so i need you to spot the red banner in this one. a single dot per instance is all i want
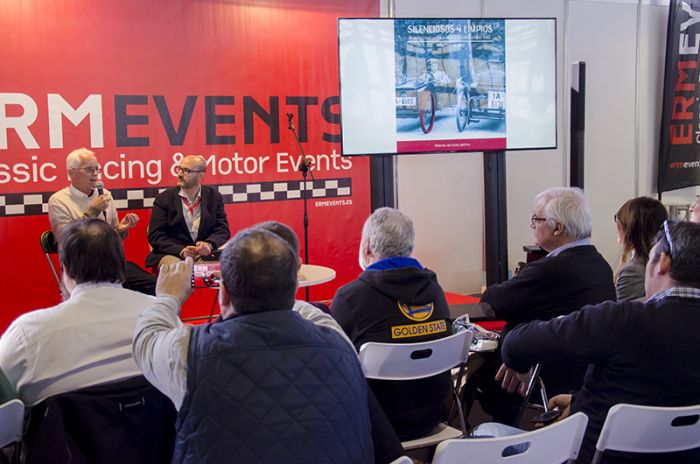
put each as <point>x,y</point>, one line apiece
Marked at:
<point>141,84</point>
<point>679,146</point>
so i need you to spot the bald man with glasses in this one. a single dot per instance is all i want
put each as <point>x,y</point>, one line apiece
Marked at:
<point>187,221</point>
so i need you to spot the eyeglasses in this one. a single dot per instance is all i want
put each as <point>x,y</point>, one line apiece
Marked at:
<point>615,218</point>
<point>668,238</point>
<point>535,219</point>
<point>89,170</point>
<point>185,171</point>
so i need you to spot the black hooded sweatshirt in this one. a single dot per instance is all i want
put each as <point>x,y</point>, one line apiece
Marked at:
<point>401,305</point>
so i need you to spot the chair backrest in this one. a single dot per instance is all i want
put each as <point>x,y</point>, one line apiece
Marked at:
<point>126,421</point>
<point>48,242</point>
<point>407,361</point>
<point>11,422</point>
<point>553,444</point>
<point>649,429</point>
<point>50,247</point>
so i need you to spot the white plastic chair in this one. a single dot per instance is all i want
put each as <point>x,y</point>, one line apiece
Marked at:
<point>11,422</point>
<point>402,460</point>
<point>649,429</point>
<point>553,444</point>
<point>410,361</point>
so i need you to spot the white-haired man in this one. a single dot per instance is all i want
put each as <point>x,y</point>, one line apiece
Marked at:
<point>396,300</point>
<point>81,199</point>
<point>572,275</point>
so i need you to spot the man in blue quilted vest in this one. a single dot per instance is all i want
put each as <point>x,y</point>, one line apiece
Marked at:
<point>263,385</point>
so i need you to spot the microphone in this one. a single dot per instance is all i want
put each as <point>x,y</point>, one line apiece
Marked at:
<point>290,116</point>
<point>305,165</point>
<point>100,186</point>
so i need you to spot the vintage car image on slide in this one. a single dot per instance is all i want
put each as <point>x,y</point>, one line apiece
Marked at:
<point>478,93</point>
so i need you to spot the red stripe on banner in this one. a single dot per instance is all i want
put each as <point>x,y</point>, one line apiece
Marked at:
<point>422,146</point>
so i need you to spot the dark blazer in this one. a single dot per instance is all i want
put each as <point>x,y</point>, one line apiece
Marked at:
<point>639,353</point>
<point>550,287</point>
<point>168,233</point>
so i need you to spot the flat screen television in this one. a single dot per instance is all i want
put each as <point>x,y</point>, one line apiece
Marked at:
<point>447,85</point>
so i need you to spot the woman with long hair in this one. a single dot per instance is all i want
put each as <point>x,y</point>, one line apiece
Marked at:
<point>638,222</point>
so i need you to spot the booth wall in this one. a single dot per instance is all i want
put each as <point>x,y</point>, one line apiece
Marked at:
<point>623,45</point>
<point>241,65</point>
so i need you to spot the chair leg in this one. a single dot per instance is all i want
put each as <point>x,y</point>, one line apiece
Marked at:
<point>460,412</point>
<point>455,392</point>
<point>213,305</point>
<point>17,453</point>
<point>61,288</point>
<point>528,392</point>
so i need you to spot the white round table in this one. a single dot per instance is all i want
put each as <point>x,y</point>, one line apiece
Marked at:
<point>311,274</point>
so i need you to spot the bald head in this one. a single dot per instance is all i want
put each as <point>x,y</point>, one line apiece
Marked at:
<point>195,161</point>
<point>259,271</point>
<point>191,172</point>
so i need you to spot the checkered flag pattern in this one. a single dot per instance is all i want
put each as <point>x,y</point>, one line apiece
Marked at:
<point>31,204</point>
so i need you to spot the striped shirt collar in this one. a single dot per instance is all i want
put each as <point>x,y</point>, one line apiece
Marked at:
<point>680,292</point>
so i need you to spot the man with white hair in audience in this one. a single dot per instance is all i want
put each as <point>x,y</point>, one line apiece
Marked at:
<point>572,275</point>
<point>695,210</point>
<point>639,353</point>
<point>397,300</point>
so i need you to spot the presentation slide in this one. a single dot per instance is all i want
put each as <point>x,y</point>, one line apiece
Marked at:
<point>446,85</point>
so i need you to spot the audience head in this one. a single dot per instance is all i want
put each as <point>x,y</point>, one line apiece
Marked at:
<point>258,273</point>
<point>83,169</point>
<point>283,231</point>
<point>638,221</point>
<point>387,233</point>
<point>675,258</point>
<point>561,216</point>
<point>190,171</point>
<point>695,210</point>
<point>91,251</point>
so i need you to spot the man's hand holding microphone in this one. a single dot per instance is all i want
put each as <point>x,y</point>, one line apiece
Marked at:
<point>100,204</point>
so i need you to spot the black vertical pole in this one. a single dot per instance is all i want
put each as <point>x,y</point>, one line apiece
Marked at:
<point>577,127</point>
<point>496,221</point>
<point>381,172</point>
<point>304,172</point>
